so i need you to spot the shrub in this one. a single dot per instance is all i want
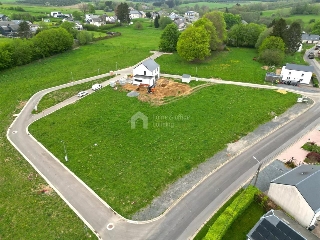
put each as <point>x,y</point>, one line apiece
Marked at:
<point>265,202</point>
<point>84,37</point>
<point>311,147</point>
<point>314,80</point>
<point>138,26</point>
<point>290,164</point>
<point>236,208</point>
<point>313,157</point>
<point>271,57</point>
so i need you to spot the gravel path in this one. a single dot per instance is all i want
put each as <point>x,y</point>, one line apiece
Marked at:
<point>182,185</point>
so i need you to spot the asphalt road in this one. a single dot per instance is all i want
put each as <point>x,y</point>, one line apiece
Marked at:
<point>184,218</point>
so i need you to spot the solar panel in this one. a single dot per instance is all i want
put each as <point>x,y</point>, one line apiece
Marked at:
<point>257,236</point>
<point>289,231</point>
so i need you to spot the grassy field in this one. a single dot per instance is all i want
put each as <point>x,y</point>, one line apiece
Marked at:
<point>235,65</point>
<point>24,213</point>
<point>305,18</point>
<point>241,227</point>
<point>214,5</point>
<point>128,168</point>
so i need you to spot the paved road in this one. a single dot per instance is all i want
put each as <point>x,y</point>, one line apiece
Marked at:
<point>183,219</point>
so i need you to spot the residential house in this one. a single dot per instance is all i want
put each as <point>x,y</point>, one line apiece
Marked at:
<point>173,16</point>
<point>298,193</point>
<point>297,73</point>
<point>272,77</point>
<point>181,23</point>
<point>310,38</point>
<point>133,14</point>
<point>46,20</point>
<point>3,17</point>
<point>94,20</point>
<point>110,19</point>
<point>34,27</point>
<point>277,225</point>
<point>191,16</point>
<point>78,25</point>
<point>8,28</point>
<point>147,72</point>
<point>56,14</point>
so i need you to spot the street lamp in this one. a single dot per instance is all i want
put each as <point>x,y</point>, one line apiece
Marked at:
<point>65,151</point>
<point>258,171</point>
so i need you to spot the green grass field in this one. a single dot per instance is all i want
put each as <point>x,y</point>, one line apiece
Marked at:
<point>235,65</point>
<point>128,168</point>
<point>213,5</point>
<point>241,227</point>
<point>25,214</point>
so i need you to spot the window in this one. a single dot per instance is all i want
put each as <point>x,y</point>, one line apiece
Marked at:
<point>288,77</point>
<point>144,73</point>
<point>302,74</point>
<point>289,72</point>
<point>138,80</point>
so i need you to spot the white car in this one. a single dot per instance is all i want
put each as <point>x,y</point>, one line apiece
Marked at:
<point>96,87</point>
<point>82,93</point>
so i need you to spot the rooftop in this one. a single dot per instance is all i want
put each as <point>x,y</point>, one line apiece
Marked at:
<point>150,64</point>
<point>299,67</point>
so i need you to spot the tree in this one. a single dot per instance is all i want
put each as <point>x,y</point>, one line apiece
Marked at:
<point>77,15</point>
<point>91,8</point>
<point>52,41</point>
<point>122,13</point>
<point>156,21</point>
<point>293,39</point>
<point>148,14</point>
<point>263,35</point>
<point>5,57</point>
<point>21,51</point>
<point>211,30</point>
<point>316,28</point>
<point>164,21</point>
<point>69,26</point>
<point>231,19</point>
<point>271,57</point>
<point>194,44</point>
<point>272,42</point>
<point>219,23</point>
<point>84,37</point>
<point>252,32</point>
<point>138,25</point>
<point>279,28</point>
<point>236,35</point>
<point>83,7</point>
<point>24,30</point>
<point>169,38</point>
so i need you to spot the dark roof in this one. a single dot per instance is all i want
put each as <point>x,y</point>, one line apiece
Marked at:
<point>186,76</point>
<point>308,37</point>
<point>297,67</point>
<point>150,64</point>
<point>276,225</point>
<point>306,179</point>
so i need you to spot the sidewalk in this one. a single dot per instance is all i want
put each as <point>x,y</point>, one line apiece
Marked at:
<point>296,151</point>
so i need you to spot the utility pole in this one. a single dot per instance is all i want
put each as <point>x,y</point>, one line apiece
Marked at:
<point>257,174</point>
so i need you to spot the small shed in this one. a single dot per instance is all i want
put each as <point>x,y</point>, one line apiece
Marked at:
<point>272,77</point>
<point>186,78</point>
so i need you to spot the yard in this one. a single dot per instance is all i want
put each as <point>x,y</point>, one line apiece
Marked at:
<point>129,167</point>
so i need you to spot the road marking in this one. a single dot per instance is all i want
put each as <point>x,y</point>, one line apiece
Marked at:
<point>110,226</point>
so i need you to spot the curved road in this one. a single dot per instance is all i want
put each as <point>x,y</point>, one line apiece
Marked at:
<point>183,219</point>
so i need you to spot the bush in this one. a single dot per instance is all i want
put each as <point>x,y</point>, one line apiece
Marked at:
<point>265,202</point>
<point>271,57</point>
<point>236,208</point>
<point>315,81</point>
<point>311,147</point>
<point>138,26</point>
<point>290,164</point>
<point>313,157</point>
<point>84,37</point>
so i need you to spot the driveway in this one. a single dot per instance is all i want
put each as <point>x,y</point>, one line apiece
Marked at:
<point>186,216</point>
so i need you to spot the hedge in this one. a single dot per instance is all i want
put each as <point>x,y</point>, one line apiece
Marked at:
<point>236,208</point>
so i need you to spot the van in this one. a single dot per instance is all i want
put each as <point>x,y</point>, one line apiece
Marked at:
<point>96,87</point>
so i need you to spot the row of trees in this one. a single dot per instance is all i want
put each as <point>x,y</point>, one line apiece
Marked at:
<point>44,44</point>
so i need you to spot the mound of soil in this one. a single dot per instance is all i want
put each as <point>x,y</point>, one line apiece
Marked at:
<point>164,88</point>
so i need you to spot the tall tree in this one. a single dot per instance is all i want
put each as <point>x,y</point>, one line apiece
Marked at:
<point>24,30</point>
<point>316,28</point>
<point>83,7</point>
<point>231,19</point>
<point>122,13</point>
<point>194,44</point>
<point>211,30</point>
<point>263,35</point>
<point>272,42</point>
<point>293,38</point>
<point>164,21</point>
<point>156,21</point>
<point>279,28</point>
<point>169,38</point>
<point>219,23</point>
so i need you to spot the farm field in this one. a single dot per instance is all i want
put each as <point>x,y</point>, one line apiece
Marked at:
<point>304,18</point>
<point>129,167</point>
<point>215,5</point>
<point>25,214</point>
<point>235,65</point>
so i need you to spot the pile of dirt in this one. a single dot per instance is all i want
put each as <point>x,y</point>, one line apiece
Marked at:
<point>164,88</point>
<point>45,189</point>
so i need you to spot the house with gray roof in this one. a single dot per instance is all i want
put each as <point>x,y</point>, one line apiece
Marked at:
<point>3,17</point>
<point>297,73</point>
<point>298,193</point>
<point>8,28</point>
<point>147,72</point>
<point>277,225</point>
<point>310,38</point>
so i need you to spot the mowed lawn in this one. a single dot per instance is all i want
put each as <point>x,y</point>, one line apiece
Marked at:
<point>235,65</point>
<point>24,213</point>
<point>129,167</point>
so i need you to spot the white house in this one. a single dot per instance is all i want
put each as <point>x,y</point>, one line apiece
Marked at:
<point>191,16</point>
<point>277,225</point>
<point>56,14</point>
<point>147,72</point>
<point>310,38</point>
<point>298,193</point>
<point>135,14</point>
<point>297,73</point>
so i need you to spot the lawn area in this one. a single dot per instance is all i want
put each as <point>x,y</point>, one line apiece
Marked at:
<point>236,65</point>
<point>305,18</point>
<point>215,5</point>
<point>25,214</point>
<point>243,224</point>
<point>129,167</point>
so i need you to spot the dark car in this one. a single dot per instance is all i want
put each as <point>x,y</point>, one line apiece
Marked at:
<point>311,55</point>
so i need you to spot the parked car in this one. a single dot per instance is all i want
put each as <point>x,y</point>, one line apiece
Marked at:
<point>311,55</point>
<point>96,87</point>
<point>82,93</point>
